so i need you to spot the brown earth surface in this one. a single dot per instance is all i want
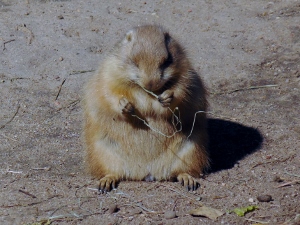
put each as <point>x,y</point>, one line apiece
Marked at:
<point>49,48</point>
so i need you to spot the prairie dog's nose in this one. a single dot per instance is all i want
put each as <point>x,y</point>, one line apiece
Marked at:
<point>153,85</point>
<point>149,86</point>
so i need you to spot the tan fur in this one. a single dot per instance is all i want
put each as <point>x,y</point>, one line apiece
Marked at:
<point>119,146</point>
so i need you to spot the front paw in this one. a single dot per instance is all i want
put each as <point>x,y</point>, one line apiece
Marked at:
<point>165,98</point>
<point>107,183</point>
<point>188,181</point>
<point>126,106</point>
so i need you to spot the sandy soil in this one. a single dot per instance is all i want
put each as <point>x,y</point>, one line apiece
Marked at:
<point>49,48</point>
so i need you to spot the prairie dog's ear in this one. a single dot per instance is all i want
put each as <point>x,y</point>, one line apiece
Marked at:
<point>129,36</point>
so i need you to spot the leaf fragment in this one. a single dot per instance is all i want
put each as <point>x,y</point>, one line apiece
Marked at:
<point>244,210</point>
<point>208,212</point>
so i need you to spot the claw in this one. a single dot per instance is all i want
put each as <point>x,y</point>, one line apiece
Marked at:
<point>188,181</point>
<point>113,185</point>
<point>100,191</point>
<point>126,106</point>
<point>166,98</point>
<point>107,183</point>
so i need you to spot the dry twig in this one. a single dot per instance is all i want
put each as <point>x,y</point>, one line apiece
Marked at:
<point>80,71</point>
<point>142,207</point>
<point>289,183</point>
<point>11,119</point>
<point>30,204</point>
<point>135,204</point>
<point>73,103</point>
<point>59,90</point>
<point>179,193</point>
<point>6,42</point>
<point>69,217</point>
<point>3,135</point>
<point>271,162</point>
<point>29,32</point>
<point>257,221</point>
<point>85,185</point>
<point>42,168</point>
<point>291,174</point>
<point>12,171</point>
<point>245,89</point>
<point>18,78</point>
<point>27,193</point>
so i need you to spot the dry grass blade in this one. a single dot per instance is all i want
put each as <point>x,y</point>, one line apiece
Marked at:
<point>194,123</point>
<point>149,92</point>
<point>161,133</point>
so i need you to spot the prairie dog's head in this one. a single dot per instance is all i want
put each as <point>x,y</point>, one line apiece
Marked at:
<point>152,57</point>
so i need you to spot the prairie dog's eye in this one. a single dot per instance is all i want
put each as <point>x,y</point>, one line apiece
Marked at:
<point>166,62</point>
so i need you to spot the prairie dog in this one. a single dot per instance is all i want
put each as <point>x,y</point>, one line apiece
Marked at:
<point>139,110</point>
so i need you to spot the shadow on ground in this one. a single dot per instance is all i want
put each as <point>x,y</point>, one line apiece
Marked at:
<point>230,142</point>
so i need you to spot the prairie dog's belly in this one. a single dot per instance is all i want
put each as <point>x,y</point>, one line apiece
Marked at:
<point>142,163</point>
<point>143,153</point>
<point>150,140</point>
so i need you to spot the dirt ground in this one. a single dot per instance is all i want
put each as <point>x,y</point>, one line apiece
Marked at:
<point>248,54</point>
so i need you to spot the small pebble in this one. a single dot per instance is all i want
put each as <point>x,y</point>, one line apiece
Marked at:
<point>134,212</point>
<point>198,199</point>
<point>112,209</point>
<point>56,105</point>
<point>60,17</point>
<point>61,59</point>
<point>170,214</point>
<point>264,198</point>
<point>277,179</point>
